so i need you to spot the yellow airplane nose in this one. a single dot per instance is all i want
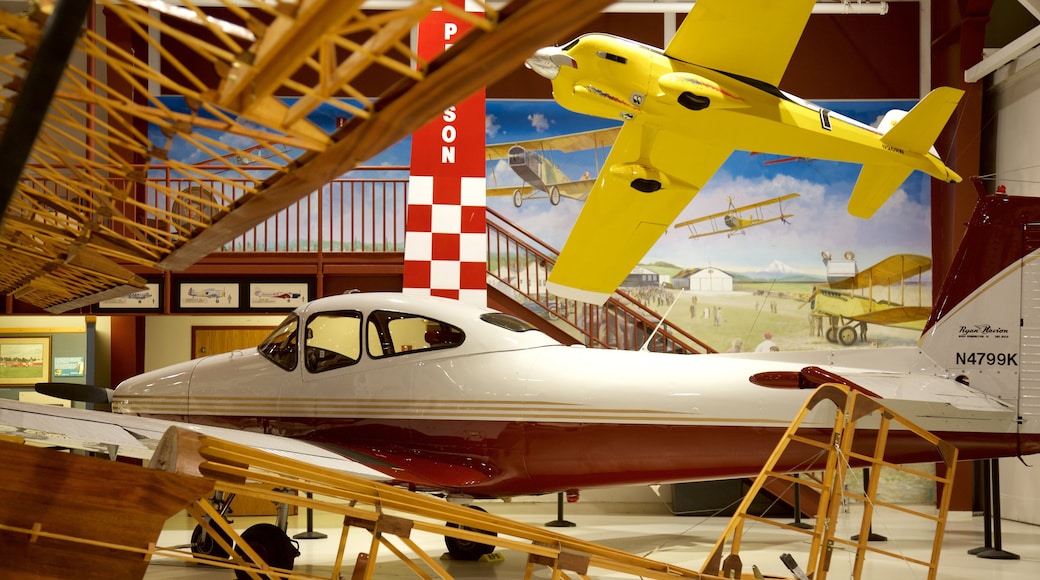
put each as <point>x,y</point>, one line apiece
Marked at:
<point>547,62</point>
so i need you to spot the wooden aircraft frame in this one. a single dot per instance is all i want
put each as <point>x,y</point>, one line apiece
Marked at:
<point>81,216</point>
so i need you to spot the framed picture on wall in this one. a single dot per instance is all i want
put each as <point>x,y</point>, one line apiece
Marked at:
<point>278,294</point>
<point>25,360</point>
<point>150,298</point>
<point>211,295</point>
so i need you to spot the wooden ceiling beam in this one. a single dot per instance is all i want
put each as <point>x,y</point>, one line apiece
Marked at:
<point>480,58</point>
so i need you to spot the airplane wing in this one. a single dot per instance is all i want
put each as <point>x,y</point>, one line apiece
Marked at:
<point>891,270</point>
<point>900,316</point>
<point>750,39</point>
<point>618,224</point>
<point>703,219</point>
<point>576,189</point>
<point>136,437</point>
<point>566,143</point>
<point>508,191</point>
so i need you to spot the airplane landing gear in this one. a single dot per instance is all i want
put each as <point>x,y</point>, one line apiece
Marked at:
<point>847,335</point>
<point>203,543</point>
<point>272,545</point>
<point>460,549</point>
<point>518,198</point>
<point>554,195</point>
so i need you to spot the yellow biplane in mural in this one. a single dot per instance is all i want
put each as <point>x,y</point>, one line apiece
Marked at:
<point>854,299</point>
<point>735,220</point>
<point>533,161</point>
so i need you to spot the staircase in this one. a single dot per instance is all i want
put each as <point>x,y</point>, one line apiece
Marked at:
<point>518,265</point>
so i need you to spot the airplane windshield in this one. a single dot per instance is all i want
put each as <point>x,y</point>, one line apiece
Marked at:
<point>507,322</point>
<point>280,346</point>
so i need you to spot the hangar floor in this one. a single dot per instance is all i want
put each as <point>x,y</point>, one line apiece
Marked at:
<point>683,541</point>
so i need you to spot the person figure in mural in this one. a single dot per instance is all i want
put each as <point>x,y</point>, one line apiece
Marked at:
<point>718,316</point>
<point>693,307</point>
<point>736,346</point>
<point>767,345</point>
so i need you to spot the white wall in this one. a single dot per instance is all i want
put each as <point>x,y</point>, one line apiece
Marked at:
<point>168,338</point>
<point>1015,133</point>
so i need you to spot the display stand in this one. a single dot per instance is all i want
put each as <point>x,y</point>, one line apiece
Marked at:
<point>992,549</point>
<point>559,522</point>
<point>798,523</point>
<point>871,536</point>
<point>310,534</point>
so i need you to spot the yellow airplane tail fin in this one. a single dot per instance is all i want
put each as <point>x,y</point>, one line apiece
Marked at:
<point>917,130</point>
<point>907,133</point>
<point>875,185</point>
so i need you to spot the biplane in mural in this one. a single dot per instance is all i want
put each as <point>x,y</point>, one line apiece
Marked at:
<point>533,161</point>
<point>735,220</point>
<point>877,295</point>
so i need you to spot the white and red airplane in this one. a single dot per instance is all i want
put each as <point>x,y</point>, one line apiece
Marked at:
<point>437,394</point>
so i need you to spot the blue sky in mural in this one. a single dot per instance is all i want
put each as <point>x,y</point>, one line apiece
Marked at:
<point>820,222</point>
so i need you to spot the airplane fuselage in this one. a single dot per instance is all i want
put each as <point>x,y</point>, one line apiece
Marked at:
<point>510,413</point>
<point>614,78</point>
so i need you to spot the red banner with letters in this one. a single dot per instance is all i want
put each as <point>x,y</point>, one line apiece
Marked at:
<point>445,239</point>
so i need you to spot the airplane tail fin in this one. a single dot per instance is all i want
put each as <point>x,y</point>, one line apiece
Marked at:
<point>985,324</point>
<point>910,134</point>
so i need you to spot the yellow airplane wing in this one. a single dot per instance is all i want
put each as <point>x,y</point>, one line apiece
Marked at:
<point>751,39</point>
<point>898,316</point>
<point>776,200</point>
<point>566,143</point>
<point>891,270</point>
<point>619,223</point>
<point>576,189</point>
<point>508,191</point>
<point>704,218</point>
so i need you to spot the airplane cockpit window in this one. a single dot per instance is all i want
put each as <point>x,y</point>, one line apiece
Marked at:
<point>332,340</point>
<point>507,322</point>
<point>280,346</point>
<point>393,333</point>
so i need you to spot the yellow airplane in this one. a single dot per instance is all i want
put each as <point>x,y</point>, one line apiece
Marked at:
<point>528,160</point>
<point>685,109</point>
<point>733,224</point>
<point>848,310</point>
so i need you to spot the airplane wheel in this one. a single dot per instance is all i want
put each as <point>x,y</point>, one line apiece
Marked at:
<point>554,195</point>
<point>468,549</point>
<point>272,545</point>
<point>518,198</point>
<point>847,335</point>
<point>832,334</point>
<point>203,544</point>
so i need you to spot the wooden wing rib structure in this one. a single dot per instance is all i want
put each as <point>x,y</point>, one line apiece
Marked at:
<point>240,83</point>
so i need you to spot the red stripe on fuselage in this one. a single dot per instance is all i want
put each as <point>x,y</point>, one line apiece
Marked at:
<point>486,458</point>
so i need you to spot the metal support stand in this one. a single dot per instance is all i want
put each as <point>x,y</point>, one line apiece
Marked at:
<point>559,522</point>
<point>798,523</point>
<point>992,549</point>
<point>872,537</point>
<point>310,534</point>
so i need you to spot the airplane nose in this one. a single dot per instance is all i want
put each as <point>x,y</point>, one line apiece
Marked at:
<point>547,62</point>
